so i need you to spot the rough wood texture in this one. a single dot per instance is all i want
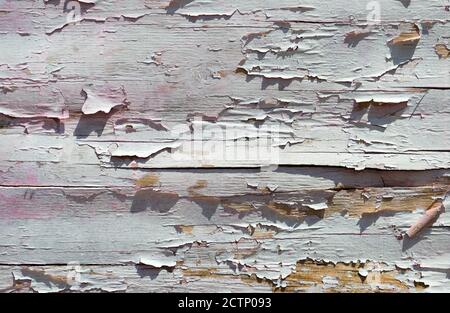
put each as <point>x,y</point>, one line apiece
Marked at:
<point>228,145</point>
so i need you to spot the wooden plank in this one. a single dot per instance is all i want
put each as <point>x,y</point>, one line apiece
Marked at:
<point>223,145</point>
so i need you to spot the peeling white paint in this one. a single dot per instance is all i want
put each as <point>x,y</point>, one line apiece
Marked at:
<point>241,146</point>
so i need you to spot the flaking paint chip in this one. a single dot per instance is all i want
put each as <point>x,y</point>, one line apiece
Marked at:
<point>409,36</point>
<point>103,101</point>
<point>157,263</point>
<point>427,219</point>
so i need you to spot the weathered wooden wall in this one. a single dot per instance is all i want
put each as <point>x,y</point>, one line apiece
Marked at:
<point>227,145</point>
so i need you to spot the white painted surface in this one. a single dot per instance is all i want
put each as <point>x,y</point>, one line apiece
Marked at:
<point>200,145</point>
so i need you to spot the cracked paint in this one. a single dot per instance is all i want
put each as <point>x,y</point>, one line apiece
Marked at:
<point>207,146</point>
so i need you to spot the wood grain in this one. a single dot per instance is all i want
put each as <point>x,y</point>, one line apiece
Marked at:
<point>228,145</point>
